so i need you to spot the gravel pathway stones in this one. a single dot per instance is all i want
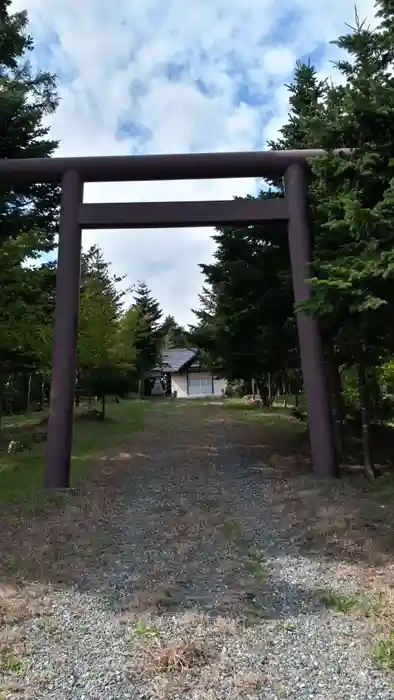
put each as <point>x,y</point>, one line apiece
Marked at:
<point>196,589</point>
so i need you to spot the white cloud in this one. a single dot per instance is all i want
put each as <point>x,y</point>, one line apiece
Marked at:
<point>175,77</point>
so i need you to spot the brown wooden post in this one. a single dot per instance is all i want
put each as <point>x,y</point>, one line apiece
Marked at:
<point>60,426</point>
<point>311,349</point>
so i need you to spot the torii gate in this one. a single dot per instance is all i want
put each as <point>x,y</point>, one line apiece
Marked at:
<point>72,173</point>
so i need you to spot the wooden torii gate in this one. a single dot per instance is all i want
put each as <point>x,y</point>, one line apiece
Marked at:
<point>75,215</point>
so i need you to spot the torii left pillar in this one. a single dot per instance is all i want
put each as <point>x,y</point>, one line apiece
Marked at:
<point>64,348</point>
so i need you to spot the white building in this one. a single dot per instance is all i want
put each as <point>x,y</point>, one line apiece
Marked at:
<point>188,379</point>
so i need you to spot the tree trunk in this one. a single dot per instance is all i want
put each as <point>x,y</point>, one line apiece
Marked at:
<point>77,397</point>
<point>42,403</point>
<point>2,387</point>
<point>376,398</point>
<point>335,388</point>
<point>369,469</point>
<point>141,388</point>
<point>28,400</point>
<point>254,390</point>
<point>103,406</point>
<point>263,393</point>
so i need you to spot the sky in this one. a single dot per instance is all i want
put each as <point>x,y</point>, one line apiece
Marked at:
<point>177,77</point>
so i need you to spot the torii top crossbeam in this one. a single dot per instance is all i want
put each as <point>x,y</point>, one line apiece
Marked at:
<point>134,168</point>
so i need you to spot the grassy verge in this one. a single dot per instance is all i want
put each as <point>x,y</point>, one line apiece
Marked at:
<point>21,474</point>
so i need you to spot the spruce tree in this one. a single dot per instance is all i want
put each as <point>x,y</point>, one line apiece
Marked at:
<point>174,335</point>
<point>148,333</point>
<point>350,199</point>
<point>28,213</point>
<point>26,98</point>
<point>246,320</point>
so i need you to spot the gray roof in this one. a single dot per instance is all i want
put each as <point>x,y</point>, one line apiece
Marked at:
<point>174,360</point>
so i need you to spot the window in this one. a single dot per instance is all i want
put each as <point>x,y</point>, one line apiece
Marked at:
<point>200,387</point>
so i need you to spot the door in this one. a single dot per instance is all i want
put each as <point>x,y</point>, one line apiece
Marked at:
<point>200,387</point>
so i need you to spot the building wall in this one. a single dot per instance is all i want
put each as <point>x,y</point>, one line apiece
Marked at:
<point>219,386</point>
<point>179,383</point>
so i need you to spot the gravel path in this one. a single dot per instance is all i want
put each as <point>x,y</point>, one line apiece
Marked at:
<point>197,592</point>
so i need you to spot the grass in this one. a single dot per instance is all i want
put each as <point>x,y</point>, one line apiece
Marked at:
<point>142,629</point>
<point>177,656</point>
<point>256,565</point>
<point>383,653</point>
<point>21,474</point>
<point>51,537</point>
<point>337,602</point>
<point>14,665</point>
<point>282,403</point>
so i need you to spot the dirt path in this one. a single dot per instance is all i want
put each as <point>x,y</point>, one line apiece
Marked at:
<point>185,572</point>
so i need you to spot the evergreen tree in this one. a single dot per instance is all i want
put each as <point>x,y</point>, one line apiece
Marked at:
<point>102,367</point>
<point>26,98</point>
<point>246,321</point>
<point>28,213</point>
<point>347,196</point>
<point>308,117</point>
<point>101,306</point>
<point>350,199</point>
<point>148,333</point>
<point>174,335</point>
<point>354,263</point>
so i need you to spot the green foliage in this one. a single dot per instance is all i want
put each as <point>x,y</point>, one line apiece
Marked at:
<point>28,213</point>
<point>246,321</point>
<point>174,335</point>
<point>299,414</point>
<point>247,317</point>
<point>106,365</point>
<point>147,334</point>
<point>336,601</point>
<point>100,309</point>
<point>383,654</point>
<point>21,474</point>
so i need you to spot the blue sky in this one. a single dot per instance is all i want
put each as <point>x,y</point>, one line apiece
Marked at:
<point>181,76</point>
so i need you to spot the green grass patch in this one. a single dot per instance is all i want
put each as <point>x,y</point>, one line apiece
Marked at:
<point>274,416</point>
<point>21,474</point>
<point>14,665</point>
<point>144,630</point>
<point>383,653</point>
<point>335,601</point>
<point>384,487</point>
<point>256,565</point>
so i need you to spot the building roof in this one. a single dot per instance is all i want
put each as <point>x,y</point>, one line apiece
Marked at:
<point>174,360</point>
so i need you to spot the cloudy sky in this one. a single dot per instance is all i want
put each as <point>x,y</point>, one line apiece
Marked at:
<point>175,77</point>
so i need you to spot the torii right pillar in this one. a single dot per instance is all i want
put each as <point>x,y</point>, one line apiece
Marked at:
<point>320,425</point>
